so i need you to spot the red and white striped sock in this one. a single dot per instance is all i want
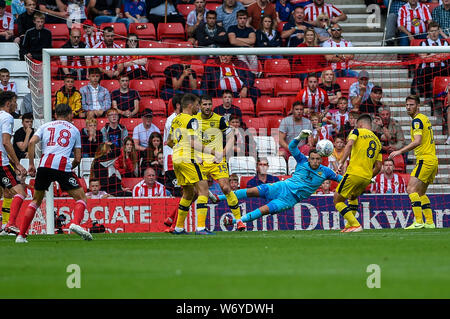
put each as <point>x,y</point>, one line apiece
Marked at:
<point>15,209</point>
<point>27,218</point>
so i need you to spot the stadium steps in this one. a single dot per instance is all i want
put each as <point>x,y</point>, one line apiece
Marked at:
<point>9,51</point>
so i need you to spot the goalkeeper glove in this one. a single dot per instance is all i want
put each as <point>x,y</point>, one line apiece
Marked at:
<point>303,135</point>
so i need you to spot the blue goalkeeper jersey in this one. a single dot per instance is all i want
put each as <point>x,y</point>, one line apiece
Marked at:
<point>305,180</point>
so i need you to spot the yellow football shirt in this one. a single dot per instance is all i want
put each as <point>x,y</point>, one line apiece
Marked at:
<point>365,152</point>
<point>421,125</point>
<point>184,128</point>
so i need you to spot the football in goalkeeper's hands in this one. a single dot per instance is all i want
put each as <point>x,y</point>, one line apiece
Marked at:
<point>324,148</point>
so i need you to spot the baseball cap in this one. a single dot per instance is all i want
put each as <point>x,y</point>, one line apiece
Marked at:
<point>2,4</point>
<point>377,89</point>
<point>363,74</point>
<point>147,113</point>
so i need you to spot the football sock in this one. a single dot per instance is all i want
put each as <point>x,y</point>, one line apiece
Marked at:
<point>345,211</point>
<point>183,210</point>
<point>416,207</point>
<point>202,211</point>
<point>15,209</point>
<point>78,211</point>
<point>6,209</point>
<point>27,218</point>
<point>233,203</point>
<point>353,206</point>
<point>240,194</point>
<point>426,209</point>
<point>251,216</point>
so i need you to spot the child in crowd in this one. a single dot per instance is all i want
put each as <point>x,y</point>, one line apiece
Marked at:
<point>94,190</point>
<point>341,116</point>
<point>325,188</point>
<point>339,145</point>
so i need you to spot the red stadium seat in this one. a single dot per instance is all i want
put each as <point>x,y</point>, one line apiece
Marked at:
<point>159,82</point>
<point>439,85</point>
<point>101,122</point>
<point>280,26</point>
<point>345,84</point>
<point>277,67</point>
<point>120,30</point>
<point>158,106</point>
<point>184,9</point>
<point>144,31</point>
<point>257,123</point>
<point>110,85</point>
<point>287,86</point>
<point>431,5</point>
<point>269,106</point>
<point>265,85</point>
<point>198,68</point>
<point>399,164</point>
<point>160,121</point>
<point>56,85</point>
<point>156,68</point>
<point>79,123</point>
<point>59,31</point>
<point>56,44</point>
<point>151,44</point>
<point>145,87</point>
<point>212,6</point>
<point>177,43</point>
<point>406,177</point>
<point>121,43</point>
<point>130,182</point>
<point>244,180</point>
<point>245,104</point>
<point>171,31</point>
<point>130,123</point>
<point>288,101</point>
<point>216,101</point>
<point>273,123</point>
<point>80,83</point>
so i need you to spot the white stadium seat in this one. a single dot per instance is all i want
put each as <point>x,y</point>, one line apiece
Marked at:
<point>85,166</point>
<point>265,146</point>
<point>277,165</point>
<point>242,165</point>
<point>292,163</point>
<point>9,51</point>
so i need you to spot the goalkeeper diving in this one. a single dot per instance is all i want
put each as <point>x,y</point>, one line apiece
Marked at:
<point>308,176</point>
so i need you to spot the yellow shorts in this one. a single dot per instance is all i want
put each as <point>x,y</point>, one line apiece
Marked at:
<point>351,186</point>
<point>425,171</point>
<point>188,173</point>
<point>216,171</point>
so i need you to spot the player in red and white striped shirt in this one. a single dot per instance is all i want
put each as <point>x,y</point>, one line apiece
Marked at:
<point>313,10</point>
<point>388,182</point>
<point>149,187</point>
<point>58,138</point>
<point>313,97</point>
<point>412,20</point>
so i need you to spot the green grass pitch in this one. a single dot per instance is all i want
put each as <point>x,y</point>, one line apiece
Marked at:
<point>282,264</point>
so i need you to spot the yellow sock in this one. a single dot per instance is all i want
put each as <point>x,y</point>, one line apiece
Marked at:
<point>183,211</point>
<point>202,211</point>
<point>426,209</point>
<point>416,205</point>
<point>344,210</point>
<point>6,205</point>
<point>233,203</point>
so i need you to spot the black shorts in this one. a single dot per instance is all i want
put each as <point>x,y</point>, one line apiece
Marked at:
<point>8,177</point>
<point>45,176</point>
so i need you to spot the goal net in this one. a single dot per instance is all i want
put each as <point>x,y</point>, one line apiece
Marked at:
<point>266,96</point>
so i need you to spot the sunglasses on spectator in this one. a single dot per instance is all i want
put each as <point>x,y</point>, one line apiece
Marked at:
<point>323,19</point>
<point>263,164</point>
<point>336,29</point>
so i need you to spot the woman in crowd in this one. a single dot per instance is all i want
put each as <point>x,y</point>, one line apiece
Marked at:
<point>155,146</point>
<point>135,68</point>
<point>268,37</point>
<point>307,63</point>
<point>127,162</point>
<point>91,138</point>
<point>323,31</point>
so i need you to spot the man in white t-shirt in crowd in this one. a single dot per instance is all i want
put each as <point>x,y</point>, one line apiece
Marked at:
<point>141,132</point>
<point>94,190</point>
<point>388,182</point>
<point>196,17</point>
<point>149,187</point>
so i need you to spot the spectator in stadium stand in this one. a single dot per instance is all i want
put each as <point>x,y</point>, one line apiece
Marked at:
<point>159,168</point>
<point>150,155</point>
<point>330,86</point>
<point>103,169</point>
<point>136,68</point>
<point>6,24</point>
<point>339,62</point>
<point>91,36</point>
<point>95,99</point>
<point>244,142</point>
<point>210,34</point>
<point>339,145</point>
<point>441,14</point>
<point>135,11</point>
<point>323,127</point>
<point>325,188</point>
<point>313,97</point>
<point>113,132</point>
<point>294,32</point>
<point>109,66</point>
<point>229,74</point>
<point>359,91</point>
<point>125,100</point>
<point>68,94</point>
<point>5,83</point>
<point>94,190</point>
<point>240,35</point>
<point>127,162</point>
<point>227,109</point>
<point>262,177</point>
<point>180,78</point>
<point>388,130</point>
<point>268,37</point>
<point>284,9</point>
<point>77,12</point>
<point>149,187</point>
<point>234,182</point>
<point>157,12</point>
<point>291,126</point>
<point>307,63</point>
<point>25,20</point>
<point>91,138</point>
<point>427,71</point>
<point>106,11</point>
<point>258,10</point>
<point>22,136</point>
<point>226,13</point>
<point>17,8</point>
<point>313,10</point>
<point>36,38</point>
<point>412,21</point>
<point>341,117</point>
<point>351,123</point>
<point>73,65</point>
<point>323,29</point>
<point>196,17</point>
<point>373,103</point>
<point>54,11</point>
<point>388,182</point>
<point>142,131</point>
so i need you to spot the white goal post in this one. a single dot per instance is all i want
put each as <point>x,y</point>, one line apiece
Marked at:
<point>48,53</point>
